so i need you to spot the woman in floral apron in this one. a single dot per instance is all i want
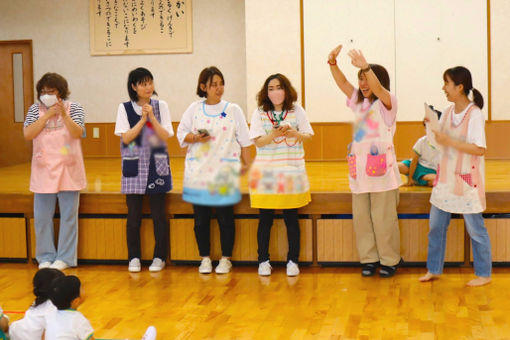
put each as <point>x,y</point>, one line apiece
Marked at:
<point>217,137</point>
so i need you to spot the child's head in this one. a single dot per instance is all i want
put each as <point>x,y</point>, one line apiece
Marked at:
<point>364,91</point>
<point>458,83</point>
<point>140,84</point>
<point>211,83</point>
<point>66,292</point>
<point>52,83</point>
<point>42,283</point>
<point>277,90</point>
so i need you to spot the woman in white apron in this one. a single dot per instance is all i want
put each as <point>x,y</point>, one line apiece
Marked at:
<point>217,137</point>
<point>55,126</point>
<point>460,181</point>
<point>278,178</point>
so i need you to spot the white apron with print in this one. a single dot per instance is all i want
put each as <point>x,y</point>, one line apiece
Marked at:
<point>212,169</point>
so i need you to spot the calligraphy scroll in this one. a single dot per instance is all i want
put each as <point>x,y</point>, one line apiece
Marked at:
<point>140,26</point>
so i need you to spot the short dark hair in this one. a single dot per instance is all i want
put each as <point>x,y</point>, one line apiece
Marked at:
<point>265,103</point>
<point>206,76</point>
<point>64,290</point>
<point>53,81</point>
<point>461,75</point>
<point>383,77</point>
<point>42,283</point>
<point>135,77</point>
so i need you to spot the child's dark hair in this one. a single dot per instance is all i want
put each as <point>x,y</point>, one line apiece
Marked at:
<point>135,77</point>
<point>42,283</point>
<point>53,81</point>
<point>64,290</point>
<point>461,75</point>
<point>383,77</point>
<point>206,76</point>
<point>265,103</point>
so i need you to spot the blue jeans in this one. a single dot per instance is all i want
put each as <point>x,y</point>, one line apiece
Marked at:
<point>481,244</point>
<point>44,210</point>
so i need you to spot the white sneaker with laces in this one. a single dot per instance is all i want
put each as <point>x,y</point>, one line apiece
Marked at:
<point>205,266</point>
<point>224,266</point>
<point>292,269</point>
<point>60,265</point>
<point>157,265</point>
<point>150,333</point>
<point>46,264</point>
<point>134,265</point>
<point>265,268</point>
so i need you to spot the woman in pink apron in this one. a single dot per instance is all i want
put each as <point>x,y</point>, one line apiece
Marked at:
<point>55,125</point>
<point>374,178</point>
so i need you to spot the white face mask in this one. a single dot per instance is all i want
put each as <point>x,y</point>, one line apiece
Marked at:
<point>48,99</point>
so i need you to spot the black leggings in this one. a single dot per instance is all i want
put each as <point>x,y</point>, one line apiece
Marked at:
<point>225,217</point>
<point>134,203</point>
<point>290,217</point>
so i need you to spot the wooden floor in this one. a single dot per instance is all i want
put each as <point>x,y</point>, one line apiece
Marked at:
<point>103,176</point>
<point>330,303</point>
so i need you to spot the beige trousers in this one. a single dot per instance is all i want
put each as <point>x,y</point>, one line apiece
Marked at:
<point>375,222</point>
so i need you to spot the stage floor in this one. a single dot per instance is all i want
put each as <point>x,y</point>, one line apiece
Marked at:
<point>103,176</point>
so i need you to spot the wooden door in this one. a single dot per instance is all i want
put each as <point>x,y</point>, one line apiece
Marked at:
<point>13,147</point>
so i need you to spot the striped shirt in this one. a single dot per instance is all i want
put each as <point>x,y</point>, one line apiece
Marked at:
<point>76,112</point>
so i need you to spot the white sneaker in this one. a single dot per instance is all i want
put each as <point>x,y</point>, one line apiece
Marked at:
<point>292,269</point>
<point>224,266</point>
<point>60,265</point>
<point>46,264</point>
<point>265,268</point>
<point>205,266</point>
<point>134,265</point>
<point>150,333</point>
<point>157,265</point>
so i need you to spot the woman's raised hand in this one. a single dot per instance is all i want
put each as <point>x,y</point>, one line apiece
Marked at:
<point>334,54</point>
<point>358,59</point>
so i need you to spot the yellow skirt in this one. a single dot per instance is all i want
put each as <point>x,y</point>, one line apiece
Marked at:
<point>280,201</point>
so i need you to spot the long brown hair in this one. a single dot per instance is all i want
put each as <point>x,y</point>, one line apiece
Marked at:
<point>383,77</point>
<point>265,103</point>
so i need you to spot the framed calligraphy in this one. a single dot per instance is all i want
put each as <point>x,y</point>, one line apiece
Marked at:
<point>140,26</point>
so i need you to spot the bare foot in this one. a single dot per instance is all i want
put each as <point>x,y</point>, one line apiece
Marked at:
<point>428,277</point>
<point>479,281</point>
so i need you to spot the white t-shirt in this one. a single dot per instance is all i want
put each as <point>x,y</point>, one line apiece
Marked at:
<point>256,129</point>
<point>33,323</point>
<point>476,127</point>
<point>186,124</point>
<point>68,324</point>
<point>122,123</point>
<point>429,156</point>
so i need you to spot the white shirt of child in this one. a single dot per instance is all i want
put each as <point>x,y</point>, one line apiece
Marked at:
<point>122,123</point>
<point>257,130</point>
<point>33,323</point>
<point>429,156</point>
<point>68,324</point>
<point>186,124</point>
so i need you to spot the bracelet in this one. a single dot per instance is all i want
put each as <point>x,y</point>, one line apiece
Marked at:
<point>364,70</point>
<point>331,64</point>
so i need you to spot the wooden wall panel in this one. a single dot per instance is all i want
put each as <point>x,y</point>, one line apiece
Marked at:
<point>13,238</point>
<point>499,234</point>
<point>336,241</point>
<point>184,248</point>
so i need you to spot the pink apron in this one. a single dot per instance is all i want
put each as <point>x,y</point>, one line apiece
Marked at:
<point>57,160</point>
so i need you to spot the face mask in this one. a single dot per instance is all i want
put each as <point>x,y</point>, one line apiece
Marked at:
<point>276,96</point>
<point>49,99</point>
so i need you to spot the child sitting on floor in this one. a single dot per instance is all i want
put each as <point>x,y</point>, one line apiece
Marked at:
<point>422,167</point>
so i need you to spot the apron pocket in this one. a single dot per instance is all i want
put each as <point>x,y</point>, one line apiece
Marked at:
<point>130,166</point>
<point>161,162</point>
<point>376,165</point>
<point>351,161</point>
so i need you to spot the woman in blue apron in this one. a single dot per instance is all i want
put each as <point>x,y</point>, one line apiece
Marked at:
<point>144,125</point>
<point>217,137</point>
